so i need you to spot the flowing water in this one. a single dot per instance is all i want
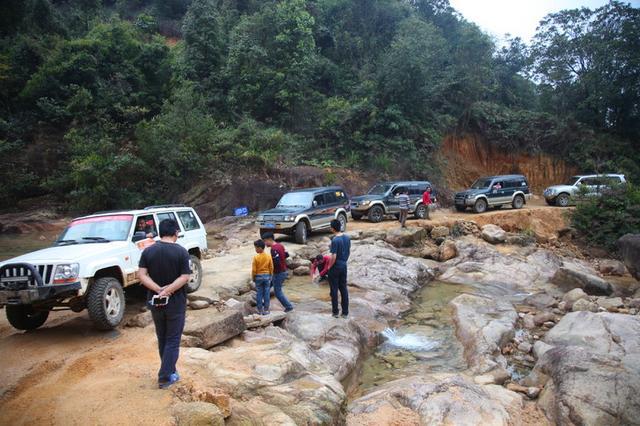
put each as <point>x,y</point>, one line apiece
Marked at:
<point>422,342</point>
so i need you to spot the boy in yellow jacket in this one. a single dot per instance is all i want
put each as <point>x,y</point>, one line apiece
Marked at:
<point>261,273</point>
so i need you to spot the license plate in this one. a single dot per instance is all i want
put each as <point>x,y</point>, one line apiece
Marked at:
<point>270,225</point>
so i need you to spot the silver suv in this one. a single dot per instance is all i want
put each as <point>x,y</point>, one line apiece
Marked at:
<point>587,185</point>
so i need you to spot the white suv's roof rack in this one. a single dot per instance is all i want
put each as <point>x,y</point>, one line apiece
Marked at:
<point>164,206</point>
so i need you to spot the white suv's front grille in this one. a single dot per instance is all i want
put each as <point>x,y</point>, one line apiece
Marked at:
<point>19,276</point>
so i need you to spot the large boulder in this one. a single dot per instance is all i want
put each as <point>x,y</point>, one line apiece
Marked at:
<point>274,369</point>
<point>573,296</point>
<point>483,326</point>
<point>629,246</point>
<point>493,234</point>
<point>207,328</point>
<point>197,414</point>
<point>447,251</point>
<point>568,278</point>
<point>593,370</point>
<point>405,237</point>
<point>439,399</point>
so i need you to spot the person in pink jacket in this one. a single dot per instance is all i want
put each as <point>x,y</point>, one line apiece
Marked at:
<point>320,265</point>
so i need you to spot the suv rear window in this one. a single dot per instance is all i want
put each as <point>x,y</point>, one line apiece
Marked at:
<point>188,220</point>
<point>416,190</point>
<point>330,198</point>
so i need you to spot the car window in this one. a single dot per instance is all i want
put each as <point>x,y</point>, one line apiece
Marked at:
<point>481,184</point>
<point>330,197</point>
<point>163,216</point>
<point>146,224</point>
<point>612,180</point>
<point>415,190</point>
<point>399,190</point>
<point>588,181</point>
<point>341,196</point>
<point>498,184</point>
<point>318,200</point>
<point>92,229</point>
<point>188,220</point>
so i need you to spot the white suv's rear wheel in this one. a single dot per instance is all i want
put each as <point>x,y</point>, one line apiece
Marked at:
<point>105,303</point>
<point>196,274</point>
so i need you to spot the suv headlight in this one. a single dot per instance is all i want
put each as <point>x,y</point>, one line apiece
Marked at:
<point>289,218</point>
<point>67,273</point>
<point>260,217</point>
<point>365,202</point>
<point>469,196</point>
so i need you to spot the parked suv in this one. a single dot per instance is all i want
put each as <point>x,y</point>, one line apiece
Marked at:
<point>381,200</point>
<point>94,258</point>
<point>303,211</point>
<point>587,185</point>
<point>494,191</point>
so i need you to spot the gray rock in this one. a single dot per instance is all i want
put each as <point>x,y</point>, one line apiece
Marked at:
<point>439,399</point>
<point>573,296</point>
<point>210,296</point>
<point>198,304</point>
<point>540,347</point>
<point>629,246</point>
<point>483,326</point>
<point>541,300</point>
<point>593,370</point>
<point>301,271</point>
<point>493,234</point>
<point>405,237</point>
<point>584,305</point>
<point>447,250</point>
<point>440,232</point>
<point>255,321</point>
<point>610,304</point>
<point>197,414</point>
<point>141,320</point>
<point>528,322</point>
<point>524,347</point>
<point>543,317</point>
<point>210,327</point>
<point>568,278</point>
<point>611,267</point>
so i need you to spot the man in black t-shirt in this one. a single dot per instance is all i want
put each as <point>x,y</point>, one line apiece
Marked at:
<point>164,271</point>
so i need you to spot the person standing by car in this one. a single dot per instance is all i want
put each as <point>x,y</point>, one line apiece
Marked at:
<point>426,200</point>
<point>261,274</point>
<point>164,271</point>
<point>340,250</point>
<point>280,274</point>
<point>403,201</point>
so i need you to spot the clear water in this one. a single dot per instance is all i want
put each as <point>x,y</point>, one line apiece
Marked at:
<point>422,342</point>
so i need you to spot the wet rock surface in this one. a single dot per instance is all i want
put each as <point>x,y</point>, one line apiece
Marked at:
<point>208,327</point>
<point>629,246</point>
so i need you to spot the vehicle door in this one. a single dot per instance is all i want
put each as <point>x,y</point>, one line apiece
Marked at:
<point>588,187</point>
<point>143,225</point>
<point>495,195</point>
<point>316,214</point>
<point>392,203</point>
<point>170,215</point>
<point>415,195</point>
<point>510,188</point>
<point>192,229</point>
<point>331,206</point>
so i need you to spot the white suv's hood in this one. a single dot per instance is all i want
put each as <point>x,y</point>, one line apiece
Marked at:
<point>561,188</point>
<point>76,253</point>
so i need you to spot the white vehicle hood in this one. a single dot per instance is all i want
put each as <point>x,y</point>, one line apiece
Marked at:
<point>71,253</point>
<point>562,188</point>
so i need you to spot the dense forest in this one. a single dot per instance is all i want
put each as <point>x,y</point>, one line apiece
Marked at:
<point>112,103</point>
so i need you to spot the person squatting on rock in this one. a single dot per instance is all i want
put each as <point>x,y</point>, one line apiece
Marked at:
<point>426,200</point>
<point>320,265</point>
<point>404,201</point>
<point>279,269</point>
<point>164,271</point>
<point>262,274</point>
<point>340,250</point>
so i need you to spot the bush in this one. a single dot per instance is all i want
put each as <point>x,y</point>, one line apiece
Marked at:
<point>605,219</point>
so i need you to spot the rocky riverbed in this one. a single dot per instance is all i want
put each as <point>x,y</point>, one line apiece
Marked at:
<point>451,323</point>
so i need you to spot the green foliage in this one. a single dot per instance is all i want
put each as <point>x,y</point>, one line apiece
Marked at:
<point>605,219</point>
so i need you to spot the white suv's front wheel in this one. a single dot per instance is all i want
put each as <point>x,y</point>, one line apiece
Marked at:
<point>106,303</point>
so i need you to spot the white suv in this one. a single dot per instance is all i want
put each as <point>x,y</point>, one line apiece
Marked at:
<point>94,258</point>
<point>587,185</point>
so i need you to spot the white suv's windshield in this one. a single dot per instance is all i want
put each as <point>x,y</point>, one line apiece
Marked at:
<point>98,229</point>
<point>379,190</point>
<point>481,184</point>
<point>572,181</point>
<point>296,199</point>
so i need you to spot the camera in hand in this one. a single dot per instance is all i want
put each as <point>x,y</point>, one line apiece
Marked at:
<point>159,300</point>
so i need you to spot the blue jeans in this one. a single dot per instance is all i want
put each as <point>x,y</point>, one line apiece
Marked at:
<point>277,282</point>
<point>338,283</point>
<point>263,291</point>
<point>169,322</point>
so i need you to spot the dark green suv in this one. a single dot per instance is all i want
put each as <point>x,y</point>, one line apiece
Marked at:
<point>381,200</point>
<point>494,191</point>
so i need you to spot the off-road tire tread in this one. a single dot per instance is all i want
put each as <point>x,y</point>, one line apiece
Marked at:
<point>195,261</point>
<point>95,304</point>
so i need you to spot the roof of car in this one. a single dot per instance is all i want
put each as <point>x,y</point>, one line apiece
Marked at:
<point>318,189</point>
<point>407,182</point>
<point>601,174</point>
<point>503,177</point>
<point>147,210</point>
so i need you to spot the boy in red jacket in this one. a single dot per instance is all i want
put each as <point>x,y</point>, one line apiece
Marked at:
<point>320,264</point>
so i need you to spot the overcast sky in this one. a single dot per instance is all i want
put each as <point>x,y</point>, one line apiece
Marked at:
<point>517,17</point>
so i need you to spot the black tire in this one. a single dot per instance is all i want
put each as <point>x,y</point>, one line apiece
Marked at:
<point>562,200</point>
<point>301,233</point>
<point>480,206</point>
<point>421,211</point>
<point>196,274</point>
<point>342,218</point>
<point>106,303</point>
<point>518,202</point>
<point>461,208</point>
<point>375,214</point>
<point>24,317</point>
<point>356,216</point>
